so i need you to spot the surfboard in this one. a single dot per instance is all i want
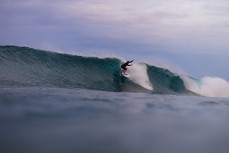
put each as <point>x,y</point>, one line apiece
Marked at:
<point>125,75</point>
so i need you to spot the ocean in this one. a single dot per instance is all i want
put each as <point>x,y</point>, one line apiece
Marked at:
<point>55,103</point>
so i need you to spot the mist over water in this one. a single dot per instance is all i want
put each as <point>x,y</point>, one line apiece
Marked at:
<point>55,120</point>
<point>55,103</point>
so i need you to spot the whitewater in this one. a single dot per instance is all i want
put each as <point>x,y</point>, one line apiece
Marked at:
<point>30,67</point>
<point>53,103</point>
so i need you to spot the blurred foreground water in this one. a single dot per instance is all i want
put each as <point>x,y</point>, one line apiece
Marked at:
<point>57,120</point>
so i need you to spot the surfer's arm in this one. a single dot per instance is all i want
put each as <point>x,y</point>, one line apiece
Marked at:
<point>130,62</point>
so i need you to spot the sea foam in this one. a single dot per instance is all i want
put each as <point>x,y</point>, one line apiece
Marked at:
<point>138,74</point>
<point>208,86</point>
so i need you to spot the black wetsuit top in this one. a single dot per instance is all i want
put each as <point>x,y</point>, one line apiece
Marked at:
<point>125,65</point>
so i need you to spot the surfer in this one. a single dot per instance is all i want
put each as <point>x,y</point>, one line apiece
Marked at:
<point>124,65</point>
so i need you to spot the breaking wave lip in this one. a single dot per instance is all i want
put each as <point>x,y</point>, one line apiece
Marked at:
<point>138,74</point>
<point>208,86</point>
<point>23,66</point>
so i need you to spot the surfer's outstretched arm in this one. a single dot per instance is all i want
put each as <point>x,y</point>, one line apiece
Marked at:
<point>130,62</point>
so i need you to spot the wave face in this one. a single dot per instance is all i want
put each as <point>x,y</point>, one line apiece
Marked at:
<point>23,66</point>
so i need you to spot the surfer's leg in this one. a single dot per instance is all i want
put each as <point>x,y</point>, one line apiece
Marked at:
<point>124,70</point>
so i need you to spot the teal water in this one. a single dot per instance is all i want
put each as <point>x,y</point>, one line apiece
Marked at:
<point>22,66</point>
<point>55,103</point>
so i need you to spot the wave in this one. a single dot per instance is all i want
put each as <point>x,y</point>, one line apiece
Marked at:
<point>23,66</point>
<point>208,86</point>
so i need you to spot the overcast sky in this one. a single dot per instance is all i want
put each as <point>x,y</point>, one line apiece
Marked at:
<point>190,34</point>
